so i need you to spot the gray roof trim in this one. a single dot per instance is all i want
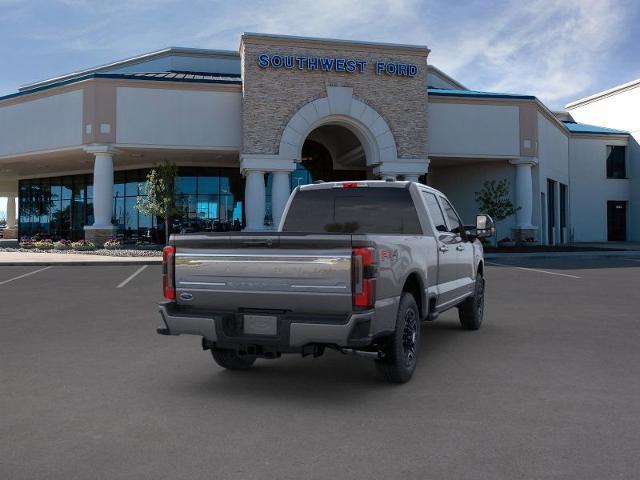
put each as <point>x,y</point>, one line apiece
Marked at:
<point>133,61</point>
<point>603,94</point>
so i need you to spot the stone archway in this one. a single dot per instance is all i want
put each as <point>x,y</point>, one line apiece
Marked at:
<point>340,108</point>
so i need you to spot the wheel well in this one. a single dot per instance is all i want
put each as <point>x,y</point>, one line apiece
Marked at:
<point>413,285</point>
<point>481,269</point>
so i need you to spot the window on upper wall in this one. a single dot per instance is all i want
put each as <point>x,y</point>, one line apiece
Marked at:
<point>616,161</point>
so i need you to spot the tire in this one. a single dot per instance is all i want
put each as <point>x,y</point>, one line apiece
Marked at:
<point>230,359</point>
<point>401,348</point>
<point>471,311</point>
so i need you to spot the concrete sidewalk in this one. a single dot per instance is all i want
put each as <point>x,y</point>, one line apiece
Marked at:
<point>32,258</point>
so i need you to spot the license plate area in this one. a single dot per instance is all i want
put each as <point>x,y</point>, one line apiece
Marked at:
<point>260,324</point>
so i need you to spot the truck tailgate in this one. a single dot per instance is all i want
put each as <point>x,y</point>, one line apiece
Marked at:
<point>294,273</point>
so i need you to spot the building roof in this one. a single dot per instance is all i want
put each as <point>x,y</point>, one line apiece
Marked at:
<point>604,93</point>
<point>575,127</point>
<point>435,70</point>
<point>171,76</point>
<point>175,75</point>
<point>475,93</point>
<point>145,57</point>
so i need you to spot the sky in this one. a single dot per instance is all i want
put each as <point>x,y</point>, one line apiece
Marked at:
<point>558,50</point>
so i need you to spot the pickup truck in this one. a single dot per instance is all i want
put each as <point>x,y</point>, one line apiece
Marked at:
<point>353,266</point>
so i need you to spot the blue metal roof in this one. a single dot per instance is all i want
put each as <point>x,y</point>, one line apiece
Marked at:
<point>173,76</point>
<point>444,92</point>
<point>575,127</point>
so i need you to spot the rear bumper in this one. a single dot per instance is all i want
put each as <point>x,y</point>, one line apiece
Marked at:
<point>224,329</point>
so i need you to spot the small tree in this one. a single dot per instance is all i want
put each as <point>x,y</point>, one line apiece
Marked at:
<point>160,199</point>
<point>494,200</point>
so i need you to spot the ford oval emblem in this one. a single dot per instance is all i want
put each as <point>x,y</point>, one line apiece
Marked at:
<point>186,296</point>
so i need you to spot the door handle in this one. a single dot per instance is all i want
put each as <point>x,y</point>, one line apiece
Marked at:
<point>443,248</point>
<point>460,248</point>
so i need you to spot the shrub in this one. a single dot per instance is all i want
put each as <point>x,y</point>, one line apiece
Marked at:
<point>43,244</point>
<point>113,244</point>
<point>62,245</point>
<point>26,242</point>
<point>83,245</point>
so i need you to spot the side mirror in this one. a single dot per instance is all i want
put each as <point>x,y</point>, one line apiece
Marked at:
<point>485,226</point>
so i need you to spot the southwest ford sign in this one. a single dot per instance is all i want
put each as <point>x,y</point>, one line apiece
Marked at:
<point>331,64</point>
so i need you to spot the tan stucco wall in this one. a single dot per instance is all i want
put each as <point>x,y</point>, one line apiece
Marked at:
<point>271,96</point>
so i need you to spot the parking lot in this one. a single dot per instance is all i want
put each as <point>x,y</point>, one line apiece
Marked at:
<point>548,388</point>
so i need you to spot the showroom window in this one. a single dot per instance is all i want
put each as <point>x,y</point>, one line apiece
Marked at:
<point>209,199</point>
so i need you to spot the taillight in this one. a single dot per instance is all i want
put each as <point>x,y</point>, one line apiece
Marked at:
<point>363,262</point>
<point>168,270</point>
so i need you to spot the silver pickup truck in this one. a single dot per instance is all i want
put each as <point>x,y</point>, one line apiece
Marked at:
<point>354,266</point>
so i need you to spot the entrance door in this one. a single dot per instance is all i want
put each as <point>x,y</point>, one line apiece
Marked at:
<point>617,221</point>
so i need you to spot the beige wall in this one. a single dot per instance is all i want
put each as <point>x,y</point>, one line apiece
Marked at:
<point>49,122</point>
<point>272,96</point>
<point>169,117</point>
<point>459,129</point>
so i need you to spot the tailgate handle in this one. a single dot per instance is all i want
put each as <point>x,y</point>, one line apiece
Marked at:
<point>258,243</point>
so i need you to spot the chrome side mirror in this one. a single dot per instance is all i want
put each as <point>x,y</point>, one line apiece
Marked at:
<point>485,226</point>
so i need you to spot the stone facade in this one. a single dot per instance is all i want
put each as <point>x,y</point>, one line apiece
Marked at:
<point>98,235</point>
<point>272,96</point>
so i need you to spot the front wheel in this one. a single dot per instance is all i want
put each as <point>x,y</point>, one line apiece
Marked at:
<point>230,359</point>
<point>471,311</point>
<point>401,348</point>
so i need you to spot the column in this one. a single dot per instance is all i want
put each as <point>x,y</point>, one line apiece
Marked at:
<point>254,199</point>
<point>524,197</point>
<point>11,232</point>
<point>280,190</point>
<point>11,212</point>
<point>102,228</point>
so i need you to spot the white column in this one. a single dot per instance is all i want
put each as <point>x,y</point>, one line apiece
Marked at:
<point>103,190</point>
<point>254,199</point>
<point>11,211</point>
<point>280,191</point>
<point>524,192</point>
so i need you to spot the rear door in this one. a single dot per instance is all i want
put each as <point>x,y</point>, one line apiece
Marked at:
<point>464,249</point>
<point>447,255</point>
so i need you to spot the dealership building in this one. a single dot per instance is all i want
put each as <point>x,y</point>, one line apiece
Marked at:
<point>246,127</point>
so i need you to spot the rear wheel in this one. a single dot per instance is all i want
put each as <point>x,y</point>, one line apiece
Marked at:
<point>401,348</point>
<point>471,311</point>
<point>230,359</point>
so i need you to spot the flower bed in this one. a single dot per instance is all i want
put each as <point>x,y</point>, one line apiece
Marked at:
<point>112,247</point>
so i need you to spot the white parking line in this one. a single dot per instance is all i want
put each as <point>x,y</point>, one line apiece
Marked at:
<point>25,275</point>
<point>534,270</point>
<point>132,276</point>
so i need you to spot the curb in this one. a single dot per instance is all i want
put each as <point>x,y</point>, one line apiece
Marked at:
<point>592,254</point>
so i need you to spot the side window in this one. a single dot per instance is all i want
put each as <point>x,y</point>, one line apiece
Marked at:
<point>452,217</point>
<point>435,212</point>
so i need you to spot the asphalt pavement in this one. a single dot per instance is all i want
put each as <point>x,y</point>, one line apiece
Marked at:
<point>548,388</point>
